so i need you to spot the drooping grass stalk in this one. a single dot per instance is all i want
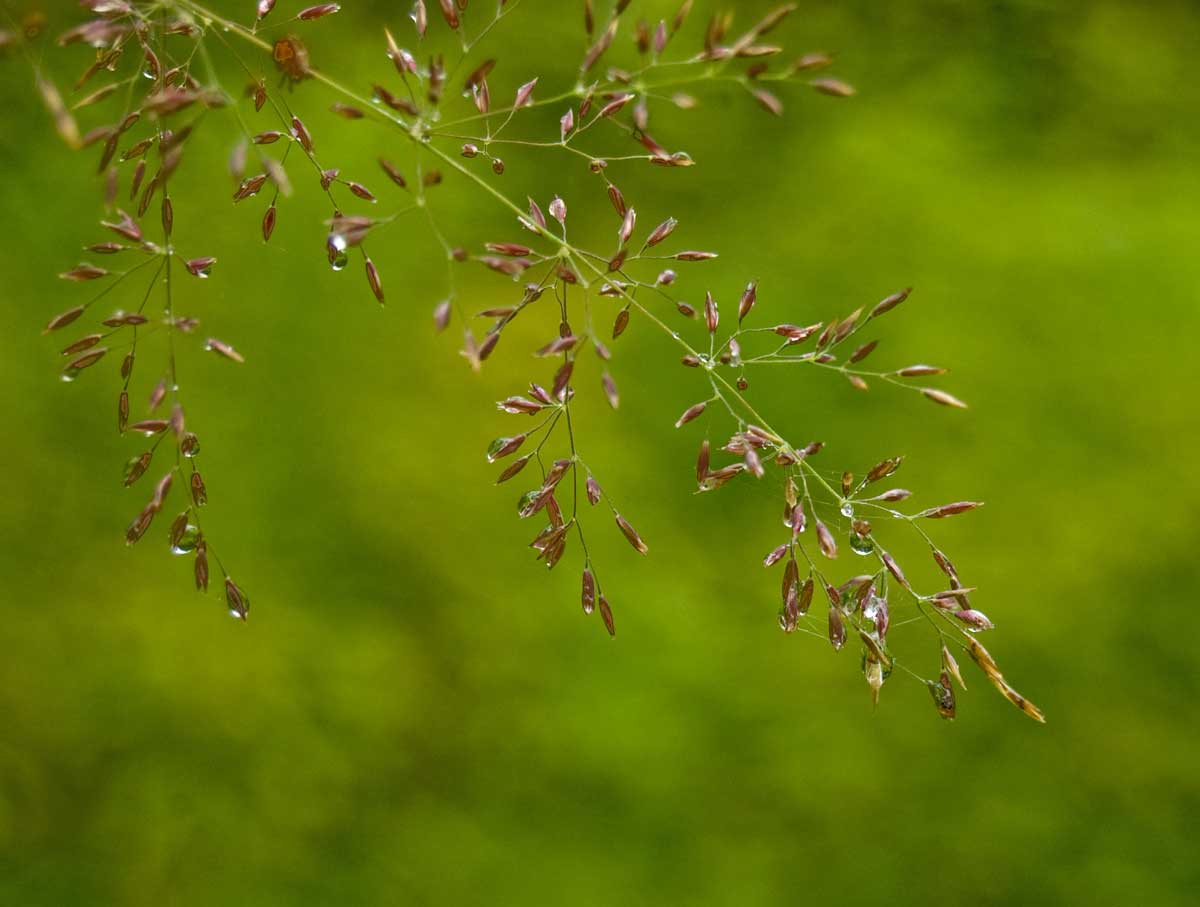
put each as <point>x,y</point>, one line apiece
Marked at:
<point>858,609</point>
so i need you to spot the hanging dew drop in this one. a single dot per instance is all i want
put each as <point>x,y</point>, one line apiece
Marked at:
<point>848,510</point>
<point>336,246</point>
<point>187,541</point>
<point>861,544</point>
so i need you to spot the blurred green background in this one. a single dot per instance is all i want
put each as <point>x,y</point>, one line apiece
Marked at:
<point>418,713</point>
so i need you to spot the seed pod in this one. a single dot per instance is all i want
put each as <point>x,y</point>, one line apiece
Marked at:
<point>140,524</point>
<point>199,492</point>
<point>221,348</point>
<point>620,323</point>
<point>317,12</point>
<point>753,463</point>
<point>791,576</point>
<point>200,267</point>
<point>502,447</point>
<point>63,319</point>
<point>949,664</point>
<point>268,223</point>
<point>775,556</point>
<point>886,305</point>
<point>661,232</point>
<point>894,568</point>
<point>373,280</point>
<point>610,390</point>
<point>975,620</point>
<point>825,540</point>
<point>943,695</point>
<point>883,469</point>
<point>863,351</point>
<point>237,600</point>
<point>712,317</point>
<point>302,135</point>
<point>943,398</point>
<point>177,423</point>
<point>593,491</point>
<point>796,519</point>
<point>920,370</point>
<point>749,298</point>
<point>834,596</point>
<point>833,87</point>
<point>513,468</point>
<point>691,413</point>
<point>200,567</point>
<point>937,513</point>
<point>804,599</point>
<point>630,534</point>
<point>558,210</point>
<point>588,595</point>
<point>837,628</point>
<point>82,272</point>
<point>136,467</point>
<point>607,615</point>
<point>123,412</point>
<point>627,225</point>
<point>524,94</point>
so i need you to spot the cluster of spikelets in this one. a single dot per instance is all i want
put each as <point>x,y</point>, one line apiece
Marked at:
<point>153,65</point>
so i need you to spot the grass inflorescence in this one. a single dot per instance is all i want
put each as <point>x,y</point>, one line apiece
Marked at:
<point>153,70</point>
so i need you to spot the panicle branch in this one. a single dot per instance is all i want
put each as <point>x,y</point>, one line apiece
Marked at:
<point>154,70</point>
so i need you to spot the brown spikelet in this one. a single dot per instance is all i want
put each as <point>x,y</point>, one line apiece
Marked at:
<point>610,390</point>
<point>588,592</point>
<point>890,302</point>
<point>945,399</point>
<point>825,540</point>
<point>373,280</point>
<point>236,600</point>
<point>691,413</point>
<point>607,615</point>
<point>318,12</point>
<point>833,87</point>
<point>837,628</point>
<point>943,695</point>
<point>937,513</point>
<point>63,319</point>
<point>200,567</point>
<point>631,534</point>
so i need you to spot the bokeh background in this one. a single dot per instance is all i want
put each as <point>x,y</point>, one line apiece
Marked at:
<point>418,713</point>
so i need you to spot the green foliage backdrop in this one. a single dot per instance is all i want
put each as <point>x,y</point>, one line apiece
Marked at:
<point>416,713</point>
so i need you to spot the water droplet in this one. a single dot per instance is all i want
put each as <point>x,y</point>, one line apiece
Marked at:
<point>187,541</point>
<point>861,544</point>
<point>847,510</point>
<point>70,375</point>
<point>339,260</point>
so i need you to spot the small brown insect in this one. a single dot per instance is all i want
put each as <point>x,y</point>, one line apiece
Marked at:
<point>291,57</point>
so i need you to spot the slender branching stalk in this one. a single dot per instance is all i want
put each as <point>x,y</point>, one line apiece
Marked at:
<point>159,63</point>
